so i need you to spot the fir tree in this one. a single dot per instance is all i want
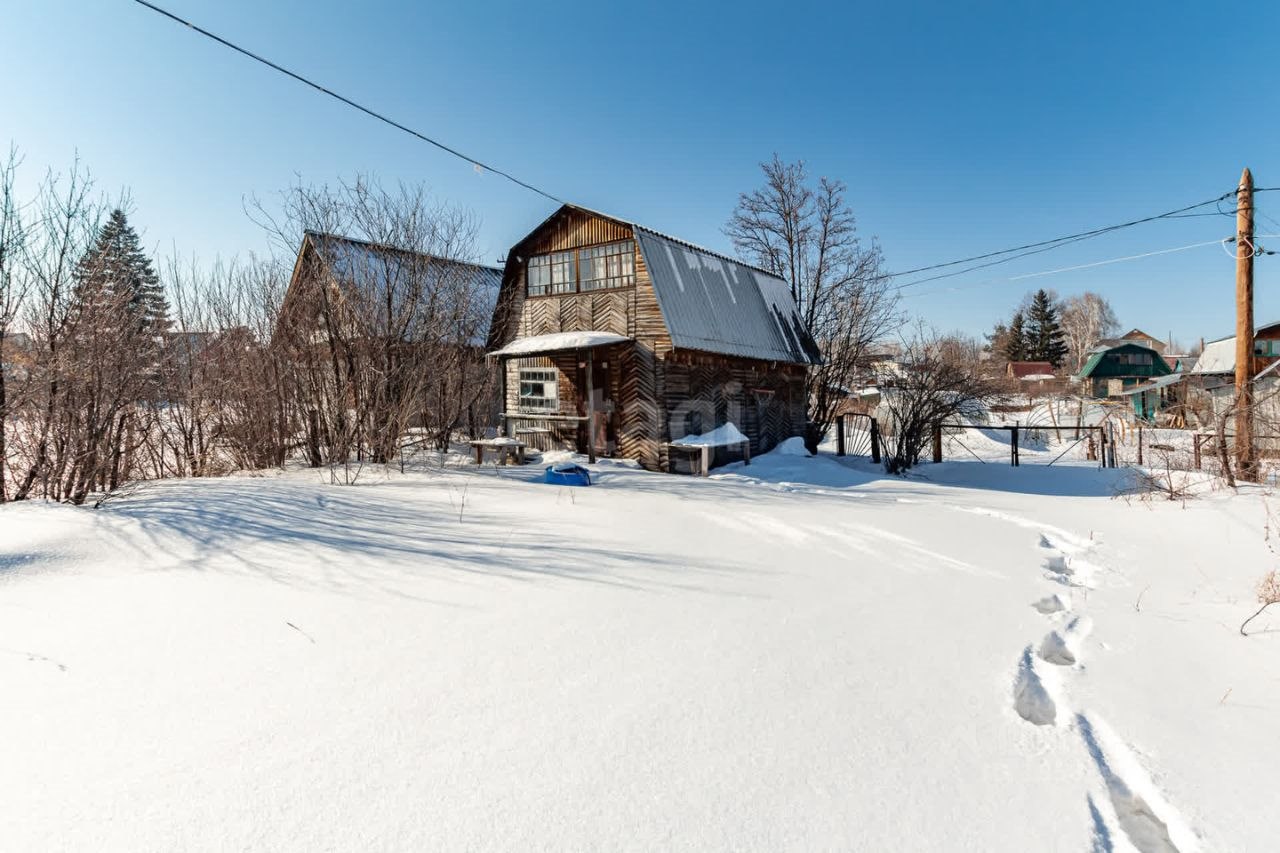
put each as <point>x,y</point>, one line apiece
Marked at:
<point>117,272</point>
<point>1015,344</point>
<point>1045,340</point>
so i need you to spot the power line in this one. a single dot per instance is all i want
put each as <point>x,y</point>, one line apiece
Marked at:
<point>326,91</point>
<point>1072,268</point>
<point>1043,245</point>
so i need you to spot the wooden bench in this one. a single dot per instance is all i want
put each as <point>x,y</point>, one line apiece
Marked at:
<point>538,438</point>
<point>703,453</point>
<point>505,448</point>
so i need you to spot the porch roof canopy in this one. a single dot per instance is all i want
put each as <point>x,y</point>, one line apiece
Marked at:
<point>558,342</point>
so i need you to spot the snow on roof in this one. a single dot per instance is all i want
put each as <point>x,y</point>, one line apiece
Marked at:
<point>1162,382</point>
<point>1218,357</point>
<point>559,342</point>
<point>727,434</point>
<point>1037,377</point>
<point>715,304</point>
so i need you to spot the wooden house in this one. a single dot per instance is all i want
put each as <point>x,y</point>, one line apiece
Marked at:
<point>1033,371</point>
<point>616,340</point>
<point>1115,367</point>
<point>1212,377</point>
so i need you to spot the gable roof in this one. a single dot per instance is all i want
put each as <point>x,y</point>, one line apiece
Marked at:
<point>353,261</point>
<point>714,303</point>
<point>374,271</point>
<point>1158,366</point>
<point>1023,369</point>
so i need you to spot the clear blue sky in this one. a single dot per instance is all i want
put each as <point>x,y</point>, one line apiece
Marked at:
<point>959,128</point>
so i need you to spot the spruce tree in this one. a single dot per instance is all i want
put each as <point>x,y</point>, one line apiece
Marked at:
<point>1015,345</point>
<point>117,272</point>
<point>1045,339</point>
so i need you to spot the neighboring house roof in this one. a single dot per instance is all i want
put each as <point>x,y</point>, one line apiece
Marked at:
<point>382,270</point>
<point>362,262</point>
<point>1220,356</point>
<point>711,302</point>
<point>1100,366</point>
<point>1147,340</point>
<point>1027,369</point>
<point>1155,384</point>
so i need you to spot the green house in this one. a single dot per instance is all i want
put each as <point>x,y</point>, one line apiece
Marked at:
<point>1112,370</point>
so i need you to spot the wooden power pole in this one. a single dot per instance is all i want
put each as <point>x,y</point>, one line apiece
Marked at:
<point>1246,462</point>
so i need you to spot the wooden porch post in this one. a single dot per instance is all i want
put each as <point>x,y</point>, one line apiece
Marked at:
<point>591,411</point>
<point>504,423</point>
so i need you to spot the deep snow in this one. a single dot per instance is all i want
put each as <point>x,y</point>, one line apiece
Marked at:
<point>799,653</point>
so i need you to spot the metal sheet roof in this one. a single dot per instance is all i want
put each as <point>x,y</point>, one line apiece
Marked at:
<point>715,304</point>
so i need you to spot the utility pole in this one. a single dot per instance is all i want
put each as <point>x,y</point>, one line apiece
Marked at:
<point>1246,462</point>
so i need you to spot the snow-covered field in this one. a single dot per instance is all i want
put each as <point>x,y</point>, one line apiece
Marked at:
<point>798,654</point>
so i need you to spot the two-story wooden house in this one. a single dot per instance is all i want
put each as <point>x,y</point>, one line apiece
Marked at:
<point>616,340</point>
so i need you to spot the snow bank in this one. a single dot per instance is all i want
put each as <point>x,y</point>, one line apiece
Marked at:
<point>462,660</point>
<point>727,434</point>
<point>793,446</point>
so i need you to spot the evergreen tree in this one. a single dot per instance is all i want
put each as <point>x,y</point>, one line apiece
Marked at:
<point>1045,340</point>
<point>117,272</point>
<point>1015,342</point>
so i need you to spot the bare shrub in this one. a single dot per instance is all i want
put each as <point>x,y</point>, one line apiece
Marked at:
<point>1268,593</point>
<point>942,380</point>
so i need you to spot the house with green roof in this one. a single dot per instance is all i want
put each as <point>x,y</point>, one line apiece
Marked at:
<point>1115,367</point>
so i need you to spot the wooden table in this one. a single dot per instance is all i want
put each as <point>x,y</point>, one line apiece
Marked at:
<point>703,452</point>
<point>506,448</point>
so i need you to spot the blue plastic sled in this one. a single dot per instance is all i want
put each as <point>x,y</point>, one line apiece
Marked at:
<point>567,475</point>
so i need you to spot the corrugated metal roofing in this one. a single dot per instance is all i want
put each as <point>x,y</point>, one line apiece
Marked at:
<point>361,262</point>
<point>1162,382</point>
<point>715,304</point>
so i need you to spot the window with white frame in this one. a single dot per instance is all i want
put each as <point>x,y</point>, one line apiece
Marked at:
<point>539,391</point>
<point>610,265</point>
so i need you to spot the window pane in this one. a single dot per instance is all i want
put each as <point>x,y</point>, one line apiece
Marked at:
<point>610,265</point>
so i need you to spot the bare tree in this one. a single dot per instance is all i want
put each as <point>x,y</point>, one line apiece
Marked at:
<point>807,235</point>
<point>12,295</point>
<point>1086,319</point>
<point>64,217</point>
<point>384,327</point>
<point>942,379</point>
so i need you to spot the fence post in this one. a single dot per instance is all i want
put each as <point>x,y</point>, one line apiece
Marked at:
<point>1139,444</point>
<point>1013,446</point>
<point>840,435</point>
<point>937,441</point>
<point>1196,449</point>
<point>875,442</point>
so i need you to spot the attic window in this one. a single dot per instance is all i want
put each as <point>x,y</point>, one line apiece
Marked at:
<point>552,273</point>
<point>610,265</point>
<point>594,268</point>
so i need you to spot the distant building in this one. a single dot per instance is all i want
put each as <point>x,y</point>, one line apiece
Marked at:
<point>1116,366</point>
<point>16,356</point>
<point>1212,377</point>
<point>1029,370</point>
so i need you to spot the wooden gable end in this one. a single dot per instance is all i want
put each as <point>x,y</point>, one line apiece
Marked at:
<point>630,311</point>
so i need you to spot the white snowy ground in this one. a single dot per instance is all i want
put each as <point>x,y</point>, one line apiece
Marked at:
<point>797,654</point>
